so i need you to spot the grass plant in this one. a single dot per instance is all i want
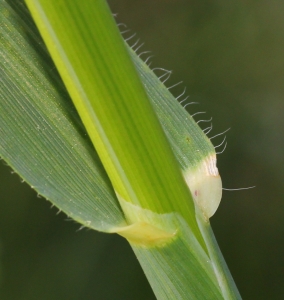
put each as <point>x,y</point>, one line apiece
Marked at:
<point>97,133</point>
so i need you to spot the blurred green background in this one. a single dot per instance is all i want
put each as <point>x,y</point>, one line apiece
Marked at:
<point>230,56</point>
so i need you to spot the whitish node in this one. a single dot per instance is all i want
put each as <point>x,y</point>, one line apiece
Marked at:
<point>205,185</point>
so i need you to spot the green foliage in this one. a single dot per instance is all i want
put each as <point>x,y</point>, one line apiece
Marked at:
<point>45,142</point>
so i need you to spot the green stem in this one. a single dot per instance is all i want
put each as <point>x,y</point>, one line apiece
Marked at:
<point>222,272</point>
<point>96,68</point>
